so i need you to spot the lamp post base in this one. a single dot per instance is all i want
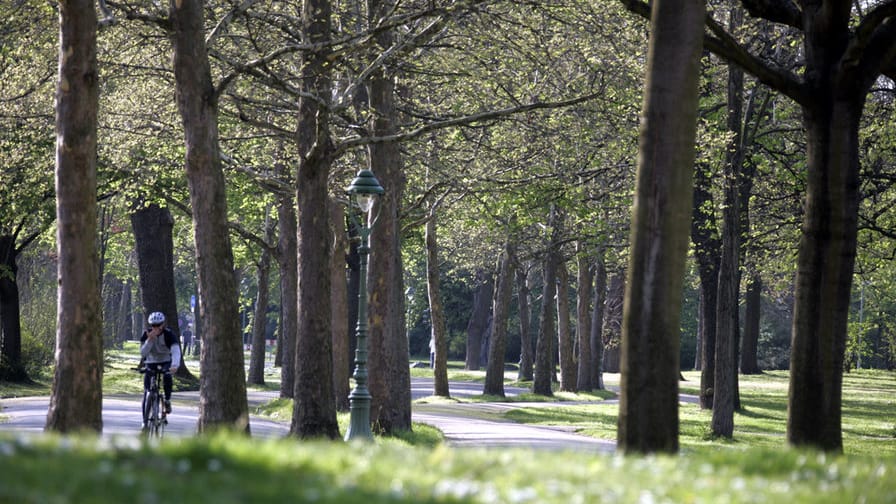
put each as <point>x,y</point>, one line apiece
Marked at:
<point>359,426</point>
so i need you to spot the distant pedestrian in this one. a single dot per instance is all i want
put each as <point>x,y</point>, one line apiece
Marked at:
<point>432,352</point>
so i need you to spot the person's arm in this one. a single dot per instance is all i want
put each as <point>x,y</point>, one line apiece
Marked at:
<point>146,344</point>
<point>175,357</point>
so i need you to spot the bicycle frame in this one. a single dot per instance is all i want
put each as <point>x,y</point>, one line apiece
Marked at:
<point>154,411</point>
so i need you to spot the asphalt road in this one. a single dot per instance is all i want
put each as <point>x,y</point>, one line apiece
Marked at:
<point>463,424</point>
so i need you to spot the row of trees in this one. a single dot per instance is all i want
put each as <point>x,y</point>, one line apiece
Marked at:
<point>507,151</point>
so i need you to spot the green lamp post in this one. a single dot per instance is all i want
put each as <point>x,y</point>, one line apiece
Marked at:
<point>363,192</point>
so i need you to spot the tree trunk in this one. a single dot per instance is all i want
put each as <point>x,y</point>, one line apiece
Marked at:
<point>597,323</point>
<point>287,258</point>
<point>76,401</point>
<point>824,277</point>
<point>566,353</point>
<point>260,316</point>
<point>727,312</point>
<point>523,293</point>
<point>342,363</point>
<point>154,243</point>
<point>11,366</point>
<point>648,404</point>
<point>749,358</point>
<point>479,319</point>
<point>544,352</point>
<point>707,245</point>
<point>612,330</point>
<point>222,384</point>
<point>585,281</point>
<point>494,373</point>
<point>390,374</point>
<point>436,310</point>
<point>314,411</point>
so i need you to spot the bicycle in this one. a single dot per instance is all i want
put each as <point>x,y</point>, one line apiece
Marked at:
<point>154,413</point>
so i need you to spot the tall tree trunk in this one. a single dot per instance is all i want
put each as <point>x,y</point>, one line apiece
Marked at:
<point>342,363</point>
<point>749,359</point>
<point>260,316</point>
<point>565,351</point>
<point>314,410</point>
<point>222,384</point>
<point>612,330</point>
<point>154,243</point>
<point>11,366</point>
<point>76,402</point>
<point>523,292</point>
<point>648,405</point>
<point>585,281</point>
<point>287,258</point>
<point>436,309</point>
<point>479,319</point>
<point>707,245</point>
<point>494,373</point>
<point>824,276</point>
<point>544,351</point>
<point>597,322</point>
<point>390,374</point>
<point>727,315</point>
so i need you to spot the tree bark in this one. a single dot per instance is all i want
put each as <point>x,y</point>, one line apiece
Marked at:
<point>494,373</point>
<point>523,292</point>
<point>154,243</point>
<point>390,375</point>
<point>612,329</point>
<point>76,401</point>
<point>479,319</point>
<point>260,315</point>
<point>436,310</point>
<point>749,359</point>
<point>585,281</point>
<point>342,362</point>
<point>568,370</point>
<point>597,323</point>
<point>287,258</point>
<point>648,405</point>
<point>544,352</point>
<point>314,410</point>
<point>11,366</point>
<point>222,384</point>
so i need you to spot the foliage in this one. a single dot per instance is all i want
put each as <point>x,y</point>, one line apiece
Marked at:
<point>237,469</point>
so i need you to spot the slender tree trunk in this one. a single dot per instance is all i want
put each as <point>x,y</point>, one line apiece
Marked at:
<point>314,411</point>
<point>494,373</point>
<point>76,401</point>
<point>544,352</point>
<point>523,292</point>
<point>222,384</point>
<point>436,310</point>
<point>648,405</point>
<point>342,363</point>
<point>749,359</point>
<point>260,316</point>
<point>287,258</point>
<point>597,323</point>
<point>479,319</point>
<point>585,281</point>
<point>707,245</point>
<point>612,330</point>
<point>390,375</point>
<point>566,353</point>
<point>727,326</point>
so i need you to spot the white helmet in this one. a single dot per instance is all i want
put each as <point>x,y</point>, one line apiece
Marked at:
<point>156,318</point>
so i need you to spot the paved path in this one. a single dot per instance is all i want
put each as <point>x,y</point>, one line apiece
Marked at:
<point>462,423</point>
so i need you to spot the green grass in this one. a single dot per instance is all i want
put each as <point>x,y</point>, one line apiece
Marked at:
<point>868,418</point>
<point>233,469</point>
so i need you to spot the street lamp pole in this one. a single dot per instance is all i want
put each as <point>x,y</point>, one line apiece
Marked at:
<point>363,192</point>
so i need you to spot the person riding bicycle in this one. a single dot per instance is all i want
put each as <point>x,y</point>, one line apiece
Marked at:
<point>159,348</point>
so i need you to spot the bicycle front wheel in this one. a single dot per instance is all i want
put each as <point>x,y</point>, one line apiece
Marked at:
<point>154,418</point>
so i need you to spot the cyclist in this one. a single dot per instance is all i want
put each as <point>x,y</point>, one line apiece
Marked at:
<point>159,348</point>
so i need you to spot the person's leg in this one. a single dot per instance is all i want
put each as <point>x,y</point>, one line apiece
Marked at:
<point>167,384</point>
